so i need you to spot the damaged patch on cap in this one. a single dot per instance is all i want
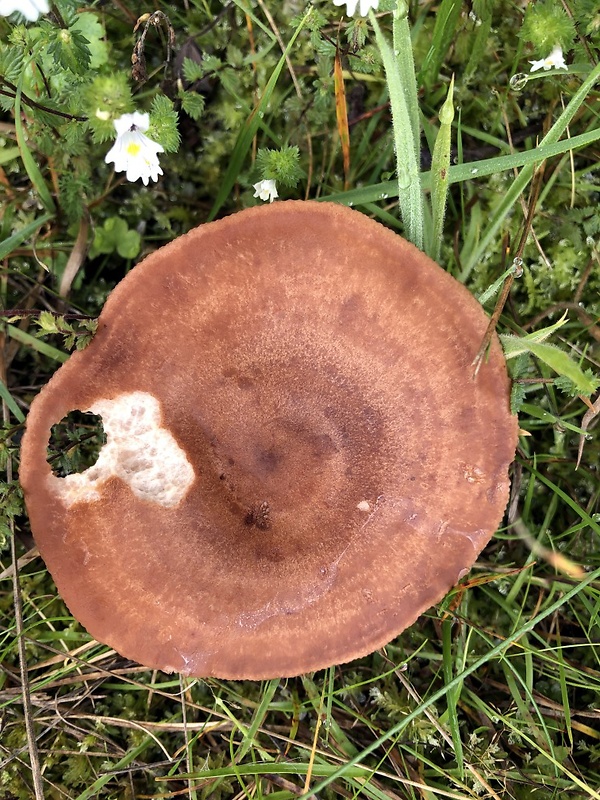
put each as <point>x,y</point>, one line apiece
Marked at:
<point>138,450</point>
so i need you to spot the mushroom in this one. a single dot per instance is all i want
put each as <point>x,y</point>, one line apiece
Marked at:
<point>298,460</point>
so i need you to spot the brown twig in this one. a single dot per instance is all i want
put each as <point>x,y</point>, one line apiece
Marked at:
<point>29,312</point>
<point>33,104</point>
<point>76,257</point>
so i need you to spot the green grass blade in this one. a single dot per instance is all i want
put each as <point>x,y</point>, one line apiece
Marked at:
<point>490,166</point>
<point>498,650</point>
<point>278,768</point>
<point>447,17</point>
<point>495,287</point>
<point>8,245</point>
<point>337,734</point>
<point>10,402</point>
<point>410,195</point>
<point>35,176</point>
<point>128,758</point>
<point>471,170</point>
<point>564,691</point>
<point>9,154</point>
<point>241,727</point>
<point>559,766</point>
<point>593,524</point>
<point>402,44</point>
<point>548,418</point>
<point>453,695</point>
<point>250,127</point>
<point>269,690</point>
<point>36,344</point>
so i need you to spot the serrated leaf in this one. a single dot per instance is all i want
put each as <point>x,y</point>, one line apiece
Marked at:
<point>211,64</point>
<point>47,322</point>
<point>517,397</point>
<point>567,386</point>
<point>192,103</point>
<point>69,48</point>
<point>551,355</point>
<point>163,124</point>
<point>89,27</point>
<point>193,70</point>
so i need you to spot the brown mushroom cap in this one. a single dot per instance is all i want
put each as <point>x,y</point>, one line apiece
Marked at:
<point>314,369</point>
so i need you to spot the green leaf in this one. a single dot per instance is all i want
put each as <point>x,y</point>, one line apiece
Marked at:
<point>517,397</point>
<point>544,333</point>
<point>8,245</point>
<point>8,154</point>
<point>281,165</point>
<point>47,322</point>
<point>163,124</point>
<point>551,355</point>
<point>470,170</point>
<point>89,29</point>
<point>115,236</point>
<point>402,90</point>
<point>524,177</point>
<point>36,344</point>
<point>567,386</point>
<point>193,70</point>
<point>69,48</point>
<point>10,402</point>
<point>105,99</point>
<point>447,19</point>
<point>192,103</point>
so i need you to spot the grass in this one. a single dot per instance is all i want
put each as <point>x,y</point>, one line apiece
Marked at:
<point>493,694</point>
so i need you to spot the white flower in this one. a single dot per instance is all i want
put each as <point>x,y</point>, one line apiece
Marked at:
<point>266,190</point>
<point>133,152</point>
<point>365,5</point>
<point>30,9</point>
<point>555,59</point>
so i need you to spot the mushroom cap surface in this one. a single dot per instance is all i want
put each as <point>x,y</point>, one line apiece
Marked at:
<point>315,465</point>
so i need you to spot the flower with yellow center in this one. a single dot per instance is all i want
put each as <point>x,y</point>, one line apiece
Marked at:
<point>134,152</point>
<point>365,6</point>
<point>30,9</point>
